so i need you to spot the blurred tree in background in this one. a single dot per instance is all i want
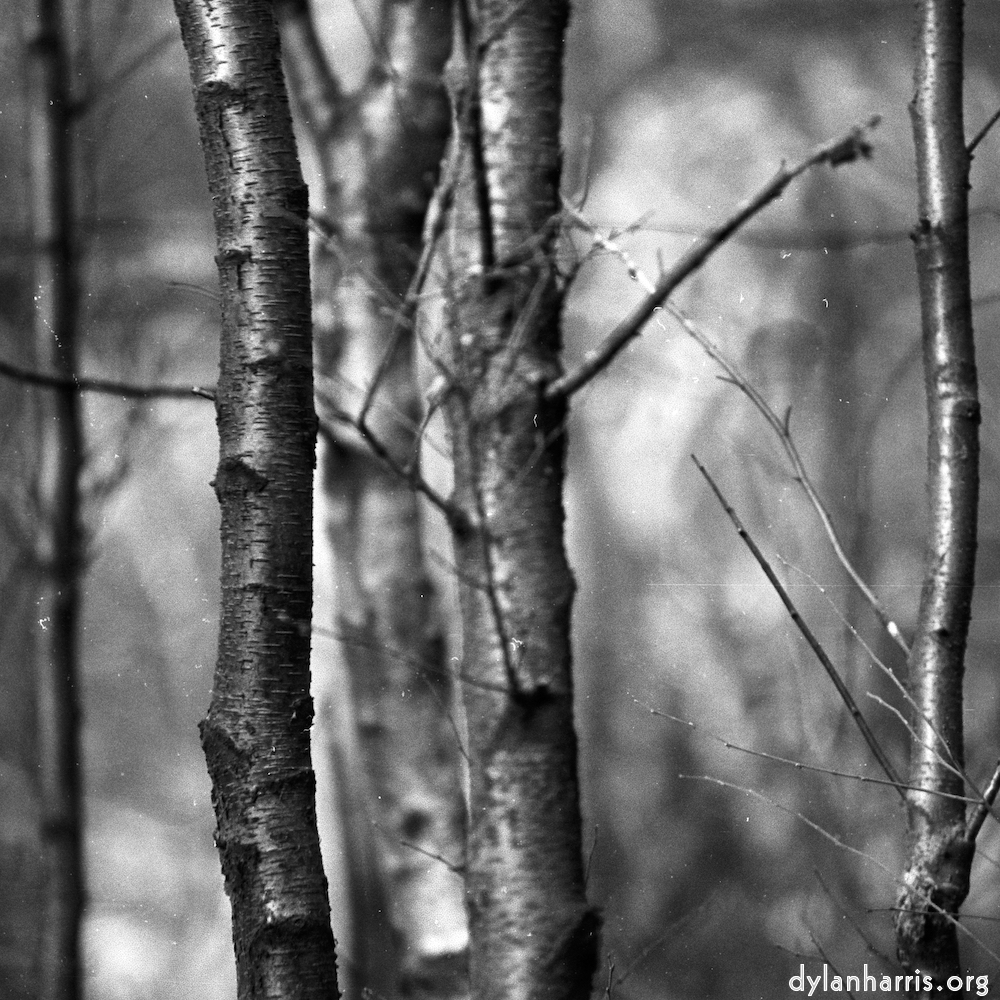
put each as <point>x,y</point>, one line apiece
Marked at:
<point>673,114</point>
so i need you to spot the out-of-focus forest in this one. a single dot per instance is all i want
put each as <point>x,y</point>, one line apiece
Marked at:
<point>675,112</point>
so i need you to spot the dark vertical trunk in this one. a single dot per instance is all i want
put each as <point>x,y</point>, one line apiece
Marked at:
<point>60,542</point>
<point>256,733</point>
<point>532,933</point>
<point>937,878</point>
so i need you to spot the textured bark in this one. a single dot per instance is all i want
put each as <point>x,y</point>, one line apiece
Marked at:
<point>59,551</point>
<point>379,151</point>
<point>256,733</point>
<point>532,933</point>
<point>937,878</point>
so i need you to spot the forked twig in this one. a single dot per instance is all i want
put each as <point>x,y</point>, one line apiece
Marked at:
<point>840,151</point>
<point>780,426</point>
<point>814,644</point>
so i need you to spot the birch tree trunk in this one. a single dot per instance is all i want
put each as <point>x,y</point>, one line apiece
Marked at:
<point>256,733</point>
<point>532,933</point>
<point>379,151</point>
<point>936,881</point>
<point>59,547</point>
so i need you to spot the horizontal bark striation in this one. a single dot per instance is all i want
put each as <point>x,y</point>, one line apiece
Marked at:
<point>256,732</point>
<point>533,934</point>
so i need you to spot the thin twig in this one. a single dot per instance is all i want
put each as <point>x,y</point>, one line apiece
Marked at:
<point>911,730</point>
<point>837,842</point>
<point>412,477</point>
<point>610,984</point>
<point>110,87</point>
<point>850,919</point>
<point>985,807</point>
<point>590,856</point>
<point>826,958</point>
<point>946,761</point>
<point>450,865</point>
<point>807,634</point>
<point>421,666</point>
<point>983,132</point>
<point>797,764</point>
<point>107,386</point>
<point>190,286</point>
<point>781,428</point>
<point>843,150</point>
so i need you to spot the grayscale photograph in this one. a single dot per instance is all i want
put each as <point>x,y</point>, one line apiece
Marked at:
<point>499,499</point>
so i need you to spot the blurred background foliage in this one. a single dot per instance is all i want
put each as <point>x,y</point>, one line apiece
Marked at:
<point>675,112</point>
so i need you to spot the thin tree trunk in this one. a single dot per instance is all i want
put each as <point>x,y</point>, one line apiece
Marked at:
<point>59,550</point>
<point>256,733</point>
<point>532,933</point>
<point>937,878</point>
<point>379,151</point>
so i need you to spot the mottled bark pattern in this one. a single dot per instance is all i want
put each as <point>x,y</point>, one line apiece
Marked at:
<point>256,733</point>
<point>533,934</point>
<point>937,879</point>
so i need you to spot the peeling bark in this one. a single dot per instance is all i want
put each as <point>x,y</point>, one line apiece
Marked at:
<point>532,932</point>
<point>936,881</point>
<point>256,732</point>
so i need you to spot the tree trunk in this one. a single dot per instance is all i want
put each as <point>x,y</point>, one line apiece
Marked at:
<point>256,733</point>
<point>59,548</point>
<point>379,151</point>
<point>936,881</point>
<point>532,933</point>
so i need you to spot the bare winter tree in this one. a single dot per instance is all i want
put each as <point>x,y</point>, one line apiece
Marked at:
<point>256,733</point>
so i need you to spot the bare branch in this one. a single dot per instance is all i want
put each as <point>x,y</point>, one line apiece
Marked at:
<point>946,762</point>
<point>847,916</point>
<point>782,429</point>
<point>450,865</point>
<point>763,755</point>
<point>814,644</point>
<point>409,475</point>
<point>826,958</point>
<point>843,150</point>
<point>107,386</point>
<point>983,132</point>
<point>780,426</point>
<point>812,824</point>
<point>837,842</point>
<point>944,755</point>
